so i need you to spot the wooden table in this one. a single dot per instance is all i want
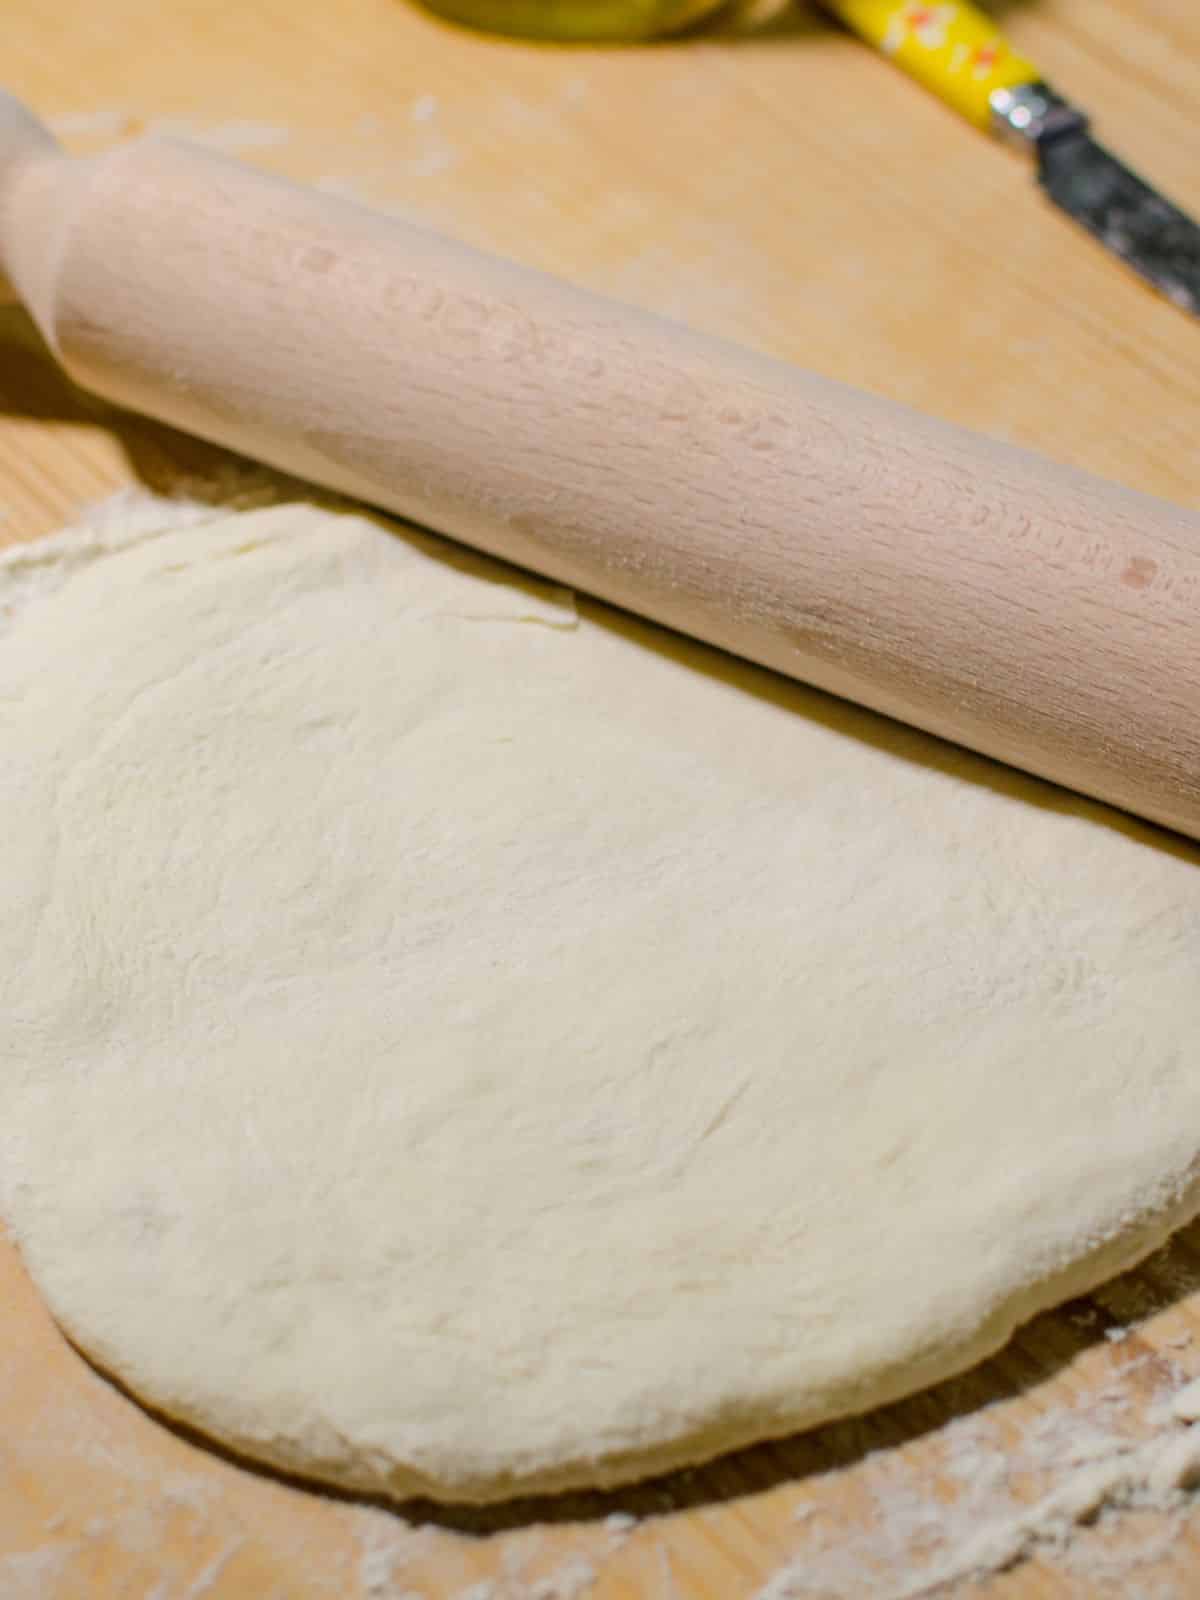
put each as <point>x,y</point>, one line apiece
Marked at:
<point>775,182</point>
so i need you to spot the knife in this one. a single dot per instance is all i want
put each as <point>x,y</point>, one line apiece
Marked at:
<point>961,55</point>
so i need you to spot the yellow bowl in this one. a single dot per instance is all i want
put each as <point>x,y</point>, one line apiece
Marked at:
<point>577,21</point>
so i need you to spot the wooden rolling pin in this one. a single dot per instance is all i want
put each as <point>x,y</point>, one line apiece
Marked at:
<point>1034,613</point>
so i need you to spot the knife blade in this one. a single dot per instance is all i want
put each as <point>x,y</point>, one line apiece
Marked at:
<point>959,53</point>
<point>1153,236</point>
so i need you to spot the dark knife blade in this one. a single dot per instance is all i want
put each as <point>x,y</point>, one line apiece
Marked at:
<point>1154,237</point>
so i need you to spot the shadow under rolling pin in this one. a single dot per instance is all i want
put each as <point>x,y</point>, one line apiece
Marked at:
<point>1023,609</point>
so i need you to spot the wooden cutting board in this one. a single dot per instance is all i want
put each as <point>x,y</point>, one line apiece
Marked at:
<point>775,182</point>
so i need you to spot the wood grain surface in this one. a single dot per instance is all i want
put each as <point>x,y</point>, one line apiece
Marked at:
<point>774,182</point>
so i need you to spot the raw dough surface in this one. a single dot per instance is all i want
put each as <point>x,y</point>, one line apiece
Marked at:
<point>451,1044</point>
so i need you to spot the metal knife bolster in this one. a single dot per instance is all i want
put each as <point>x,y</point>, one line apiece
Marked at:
<point>1026,114</point>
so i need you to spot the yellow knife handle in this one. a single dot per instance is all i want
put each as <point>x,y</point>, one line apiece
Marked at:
<point>953,49</point>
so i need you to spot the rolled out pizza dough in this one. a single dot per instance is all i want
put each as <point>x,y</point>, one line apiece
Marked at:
<point>458,1044</point>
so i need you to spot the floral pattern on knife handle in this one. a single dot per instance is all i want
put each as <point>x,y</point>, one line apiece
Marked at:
<point>953,49</point>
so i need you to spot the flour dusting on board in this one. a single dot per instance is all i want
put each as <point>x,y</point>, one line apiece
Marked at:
<point>1001,1500</point>
<point>105,123</point>
<point>109,123</point>
<point>387,1546</point>
<point>30,1574</point>
<point>237,135</point>
<point>420,150</point>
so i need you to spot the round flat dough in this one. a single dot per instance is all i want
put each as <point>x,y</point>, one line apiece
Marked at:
<point>456,1045</point>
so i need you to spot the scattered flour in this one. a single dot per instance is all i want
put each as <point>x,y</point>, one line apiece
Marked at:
<point>205,1581</point>
<point>347,188</point>
<point>1186,1404</point>
<point>438,156</point>
<point>29,1574</point>
<point>619,1526</point>
<point>232,136</point>
<point>570,1582</point>
<point>239,134</point>
<point>387,1547</point>
<point>98,124</point>
<point>383,1556</point>
<point>919,1542</point>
